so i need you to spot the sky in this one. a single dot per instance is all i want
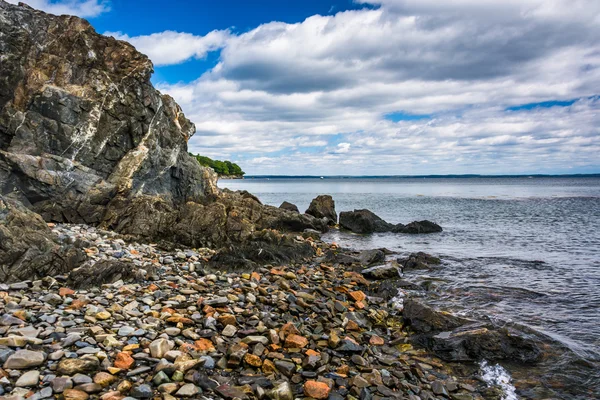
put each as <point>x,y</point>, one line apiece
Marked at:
<point>374,87</point>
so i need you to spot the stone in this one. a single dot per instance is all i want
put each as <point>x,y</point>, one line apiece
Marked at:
<point>159,348</point>
<point>188,390</point>
<point>316,390</point>
<point>28,379</point>
<point>142,391</point>
<point>124,361</point>
<point>104,379</point>
<point>230,392</point>
<point>285,367</point>
<point>229,331</point>
<point>24,359</point>
<point>323,206</point>
<point>289,207</point>
<point>72,366</point>
<point>381,272</point>
<point>73,394</point>
<point>282,391</point>
<point>296,341</point>
<point>61,384</point>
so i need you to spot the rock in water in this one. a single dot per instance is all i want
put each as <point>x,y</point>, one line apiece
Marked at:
<point>100,145</point>
<point>323,206</point>
<point>289,206</point>
<point>365,221</point>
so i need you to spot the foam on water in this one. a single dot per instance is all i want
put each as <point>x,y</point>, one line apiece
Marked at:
<point>495,375</point>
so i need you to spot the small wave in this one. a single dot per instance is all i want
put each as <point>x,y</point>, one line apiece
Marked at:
<point>496,375</point>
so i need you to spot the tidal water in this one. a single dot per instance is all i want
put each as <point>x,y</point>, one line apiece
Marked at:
<point>523,250</point>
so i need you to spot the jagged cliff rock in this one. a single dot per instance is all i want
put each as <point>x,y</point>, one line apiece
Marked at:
<point>86,138</point>
<point>28,248</point>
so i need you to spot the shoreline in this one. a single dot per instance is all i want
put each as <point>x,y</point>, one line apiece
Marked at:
<point>235,334</point>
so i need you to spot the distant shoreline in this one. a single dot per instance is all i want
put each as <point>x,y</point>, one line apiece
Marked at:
<point>418,176</point>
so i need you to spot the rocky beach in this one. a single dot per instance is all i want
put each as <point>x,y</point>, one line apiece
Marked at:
<point>126,273</point>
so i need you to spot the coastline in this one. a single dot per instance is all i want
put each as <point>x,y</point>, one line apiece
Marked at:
<point>311,328</point>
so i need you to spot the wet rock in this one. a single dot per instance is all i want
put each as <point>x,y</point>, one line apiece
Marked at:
<point>418,260</point>
<point>282,391</point>
<point>371,257</point>
<point>289,207</point>
<point>381,272</point>
<point>323,206</point>
<point>363,221</point>
<point>425,319</point>
<point>418,227</point>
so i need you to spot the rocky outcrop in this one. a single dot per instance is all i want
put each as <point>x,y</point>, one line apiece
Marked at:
<point>289,206</point>
<point>323,206</point>
<point>86,138</point>
<point>454,338</point>
<point>28,248</point>
<point>365,221</point>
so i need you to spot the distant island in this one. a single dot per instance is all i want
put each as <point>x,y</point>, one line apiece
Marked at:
<point>225,169</point>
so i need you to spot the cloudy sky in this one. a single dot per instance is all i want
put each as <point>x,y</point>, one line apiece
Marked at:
<point>367,87</point>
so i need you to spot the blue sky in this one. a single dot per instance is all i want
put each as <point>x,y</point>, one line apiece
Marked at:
<point>374,86</point>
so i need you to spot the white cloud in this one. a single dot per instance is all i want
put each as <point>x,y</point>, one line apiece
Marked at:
<point>80,8</point>
<point>315,93</point>
<point>171,47</point>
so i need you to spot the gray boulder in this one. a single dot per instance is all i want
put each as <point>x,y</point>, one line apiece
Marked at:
<point>323,206</point>
<point>289,207</point>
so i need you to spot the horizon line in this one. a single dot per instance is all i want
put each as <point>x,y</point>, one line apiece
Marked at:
<point>585,175</point>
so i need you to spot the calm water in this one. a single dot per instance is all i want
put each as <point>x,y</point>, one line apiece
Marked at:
<point>517,249</point>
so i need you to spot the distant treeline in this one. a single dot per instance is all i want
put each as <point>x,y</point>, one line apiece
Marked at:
<point>223,168</point>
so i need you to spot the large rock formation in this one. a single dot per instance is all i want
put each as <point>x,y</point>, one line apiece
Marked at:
<point>86,138</point>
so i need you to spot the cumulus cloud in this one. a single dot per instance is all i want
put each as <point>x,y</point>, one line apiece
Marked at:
<point>169,47</point>
<point>316,93</point>
<point>80,8</point>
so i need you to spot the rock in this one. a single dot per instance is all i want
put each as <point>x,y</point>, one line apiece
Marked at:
<point>124,361</point>
<point>72,366</point>
<point>94,274</point>
<point>316,390</point>
<point>323,206</point>
<point>112,152</point>
<point>61,384</point>
<point>73,394</point>
<point>159,348</point>
<point>142,391</point>
<point>28,379</point>
<point>363,221</point>
<point>381,272</point>
<point>418,260</point>
<point>188,390</point>
<point>417,227</point>
<point>371,257</point>
<point>229,331</point>
<point>29,249</point>
<point>230,392</point>
<point>24,359</point>
<point>289,207</point>
<point>296,341</point>
<point>285,367</point>
<point>282,391</point>
<point>426,319</point>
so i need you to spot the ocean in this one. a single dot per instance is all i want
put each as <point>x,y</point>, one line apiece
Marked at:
<point>520,250</point>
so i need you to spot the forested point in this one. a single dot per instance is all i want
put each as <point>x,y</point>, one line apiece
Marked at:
<point>223,168</point>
